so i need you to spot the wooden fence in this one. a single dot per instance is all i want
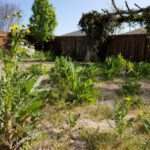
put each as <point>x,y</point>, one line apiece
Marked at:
<point>132,47</point>
<point>77,47</point>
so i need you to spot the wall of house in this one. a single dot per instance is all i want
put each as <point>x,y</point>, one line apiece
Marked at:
<point>3,38</point>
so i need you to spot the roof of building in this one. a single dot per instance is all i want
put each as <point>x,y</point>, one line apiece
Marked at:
<point>137,31</point>
<point>75,33</point>
<point>133,32</point>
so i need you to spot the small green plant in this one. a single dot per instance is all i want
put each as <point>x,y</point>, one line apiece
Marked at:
<point>121,111</point>
<point>129,87</point>
<point>144,117</point>
<point>117,65</point>
<point>72,120</point>
<point>143,143</point>
<point>90,71</point>
<point>141,69</point>
<point>111,67</point>
<point>96,140</point>
<point>19,107</point>
<point>38,55</point>
<point>68,82</point>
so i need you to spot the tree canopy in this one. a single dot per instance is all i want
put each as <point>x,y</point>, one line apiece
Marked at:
<point>99,25</point>
<point>43,20</point>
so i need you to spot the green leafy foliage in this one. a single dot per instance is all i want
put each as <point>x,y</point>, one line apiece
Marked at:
<point>19,107</point>
<point>141,69</point>
<point>116,65</point>
<point>69,82</point>
<point>111,67</point>
<point>90,71</point>
<point>129,87</point>
<point>144,117</point>
<point>99,25</point>
<point>121,111</point>
<point>72,120</point>
<point>43,21</point>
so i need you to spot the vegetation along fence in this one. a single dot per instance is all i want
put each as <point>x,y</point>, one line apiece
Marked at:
<point>132,47</point>
<point>77,47</point>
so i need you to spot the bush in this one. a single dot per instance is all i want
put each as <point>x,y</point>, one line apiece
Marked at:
<point>141,69</point>
<point>144,117</point>
<point>69,83</point>
<point>121,110</point>
<point>90,71</point>
<point>19,106</point>
<point>19,109</point>
<point>111,67</point>
<point>117,65</point>
<point>129,87</point>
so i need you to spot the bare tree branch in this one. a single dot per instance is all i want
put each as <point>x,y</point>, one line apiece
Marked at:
<point>7,18</point>
<point>114,5</point>
<point>137,6</point>
<point>105,11</point>
<point>127,6</point>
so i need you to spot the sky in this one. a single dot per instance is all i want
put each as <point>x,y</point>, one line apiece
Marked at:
<point>69,12</point>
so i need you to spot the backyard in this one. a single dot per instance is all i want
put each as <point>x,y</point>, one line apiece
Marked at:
<point>53,101</point>
<point>99,120</point>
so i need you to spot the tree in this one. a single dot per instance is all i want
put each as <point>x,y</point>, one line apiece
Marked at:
<point>100,25</point>
<point>43,21</point>
<point>8,15</point>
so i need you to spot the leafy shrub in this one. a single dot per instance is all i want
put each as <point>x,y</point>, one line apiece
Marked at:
<point>111,67</point>
<point>69,83</point>
<point>121,111</point>
<point>19,107</point>
<point>144,117</point>
<point>72,120</point>
<point>117,65</point>
<point>129,87</point>
<point>141,69</point>
<point>90,72</point>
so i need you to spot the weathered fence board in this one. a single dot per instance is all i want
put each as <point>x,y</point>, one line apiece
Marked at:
<point>132,47</point>
<point>78,47</point>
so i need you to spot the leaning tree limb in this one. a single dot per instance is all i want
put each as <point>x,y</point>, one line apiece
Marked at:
<point>118,11</point>
<point>99,25</point>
